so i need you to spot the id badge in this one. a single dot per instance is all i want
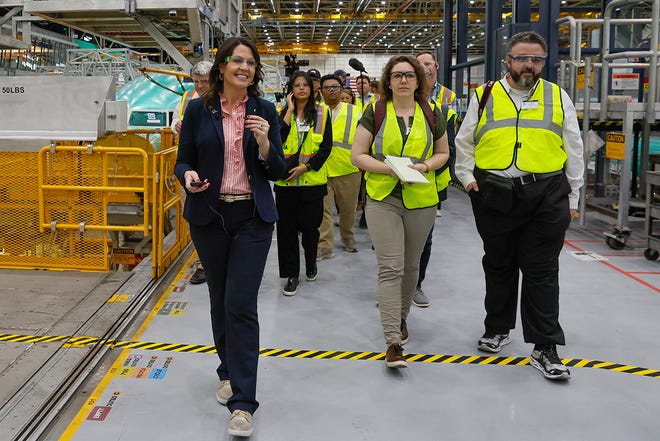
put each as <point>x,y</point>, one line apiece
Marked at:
<point>303,128</point>
<point>530,105</point>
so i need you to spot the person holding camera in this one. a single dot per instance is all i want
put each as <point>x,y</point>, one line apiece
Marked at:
<point>228,151</point>
<point>306,131</point>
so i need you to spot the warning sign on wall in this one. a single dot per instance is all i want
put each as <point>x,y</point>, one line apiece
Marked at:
<point>625,81</point>
<point>615,145</point>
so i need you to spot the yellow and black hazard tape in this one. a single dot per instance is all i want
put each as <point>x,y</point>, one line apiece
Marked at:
<point>80,341</point>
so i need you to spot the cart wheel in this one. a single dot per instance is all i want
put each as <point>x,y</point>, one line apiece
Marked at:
<point>615,244</point>
<point>651,254</point>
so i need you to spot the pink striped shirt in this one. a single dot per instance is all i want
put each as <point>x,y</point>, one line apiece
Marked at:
<point>234,174</point>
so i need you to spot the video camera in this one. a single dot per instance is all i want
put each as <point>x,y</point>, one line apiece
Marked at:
<point>293,64</point>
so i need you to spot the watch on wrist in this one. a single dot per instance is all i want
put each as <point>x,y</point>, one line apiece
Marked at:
<point>309,167</point>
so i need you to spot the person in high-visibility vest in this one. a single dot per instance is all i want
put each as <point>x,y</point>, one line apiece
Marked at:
<point>343,176</point>
<point>365,97</point>
<point>200,76</point>
<point>519,156</point>
<point>306,133</point>
<point>400,214</point>
<point>438,93</point>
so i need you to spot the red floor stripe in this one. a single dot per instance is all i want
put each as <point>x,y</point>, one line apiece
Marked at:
<point>615,268</point>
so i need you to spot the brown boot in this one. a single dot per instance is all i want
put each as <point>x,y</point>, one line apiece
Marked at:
<point>394,356</point>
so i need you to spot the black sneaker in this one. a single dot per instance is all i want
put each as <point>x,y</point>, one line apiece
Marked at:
<point>493,342</point>
<point>311,275</point>
<point>545,359</point>
<point>199,276</point>
<point>291,286</point>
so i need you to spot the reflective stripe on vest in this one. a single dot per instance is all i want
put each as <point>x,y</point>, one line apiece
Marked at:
<point>308,149</point>
<point>444,96</point>
<point>185,99</point>
<point>418,146</point>
<point>344,125</point>
<point>443,178</point>
<point>531,138</point>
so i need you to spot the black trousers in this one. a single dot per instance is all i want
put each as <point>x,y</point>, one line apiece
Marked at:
<point>425,257</point>
<point>233,252</point>
<point>300,210</point>
<point>527,239</point>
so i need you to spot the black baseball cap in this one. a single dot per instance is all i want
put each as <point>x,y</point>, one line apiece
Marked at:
<point>314,73</point>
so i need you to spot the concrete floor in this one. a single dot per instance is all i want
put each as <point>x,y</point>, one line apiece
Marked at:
<point>609,312</point>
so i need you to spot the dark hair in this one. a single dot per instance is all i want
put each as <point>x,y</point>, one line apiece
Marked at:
<point>431,53</point>
<point>310,106</point>
<point>363,76</point>
<point>350,92</point>
<point>530,37</point>
<point>422,91</point>
<point>225,50</point>
<point>328,77</point>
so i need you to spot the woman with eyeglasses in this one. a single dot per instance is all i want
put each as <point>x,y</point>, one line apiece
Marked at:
<point>229,149</point>
<point>400,215</point>
<point>306,133</point>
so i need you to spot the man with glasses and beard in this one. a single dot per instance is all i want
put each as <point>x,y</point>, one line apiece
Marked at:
<point>519,156</point>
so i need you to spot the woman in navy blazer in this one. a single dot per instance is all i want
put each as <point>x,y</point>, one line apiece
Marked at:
<point>229,149</point>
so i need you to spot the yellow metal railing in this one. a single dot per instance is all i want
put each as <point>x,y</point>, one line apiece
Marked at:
<point>66,206</point>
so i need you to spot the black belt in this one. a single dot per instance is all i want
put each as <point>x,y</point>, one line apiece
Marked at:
<point>519,180</point>
<point>235,197</point>
<point>533,177</point>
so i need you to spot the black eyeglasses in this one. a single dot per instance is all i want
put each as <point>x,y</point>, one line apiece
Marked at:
<point>536,60</point>
<point>332,88</point>
<point>399,75</point>
<point>238,60</point>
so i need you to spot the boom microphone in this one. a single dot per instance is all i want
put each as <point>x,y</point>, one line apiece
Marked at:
<point>357,65</point>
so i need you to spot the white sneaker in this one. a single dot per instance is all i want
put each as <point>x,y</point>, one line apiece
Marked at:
<point>240,423</point>
<point>438,213</point>
<point>224,392</point>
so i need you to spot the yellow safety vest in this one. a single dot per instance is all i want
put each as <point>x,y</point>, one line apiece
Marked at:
<point>185,99</point>
<point>308,149</point>
<point>418,147</point>
<point>358,100</point>
<point>530,138</point>
<point>443,178</point>
<point>445,96</point>
<point>346,117</point>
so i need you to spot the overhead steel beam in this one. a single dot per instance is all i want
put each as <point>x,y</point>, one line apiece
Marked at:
<point>167,46</point>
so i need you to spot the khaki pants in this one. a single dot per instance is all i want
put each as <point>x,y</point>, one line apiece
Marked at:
<point>344,191</point>
<point>398,235</point>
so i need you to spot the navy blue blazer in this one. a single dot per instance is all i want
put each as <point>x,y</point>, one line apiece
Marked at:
<point>202,148</point>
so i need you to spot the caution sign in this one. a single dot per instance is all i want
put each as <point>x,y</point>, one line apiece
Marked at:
<point>123,256</point>
<point>625,81</point>
<point>615,145</point>
<point>580,78</point>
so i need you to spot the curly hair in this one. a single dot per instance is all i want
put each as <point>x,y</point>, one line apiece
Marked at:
<point>422,91</point>
<point>225,50</point>
<point>310,106</point>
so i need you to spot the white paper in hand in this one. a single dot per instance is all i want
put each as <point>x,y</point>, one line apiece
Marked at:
<point>406,174</point>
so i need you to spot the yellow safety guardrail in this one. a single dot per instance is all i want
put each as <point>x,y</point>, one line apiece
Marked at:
<point>80,205</point>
